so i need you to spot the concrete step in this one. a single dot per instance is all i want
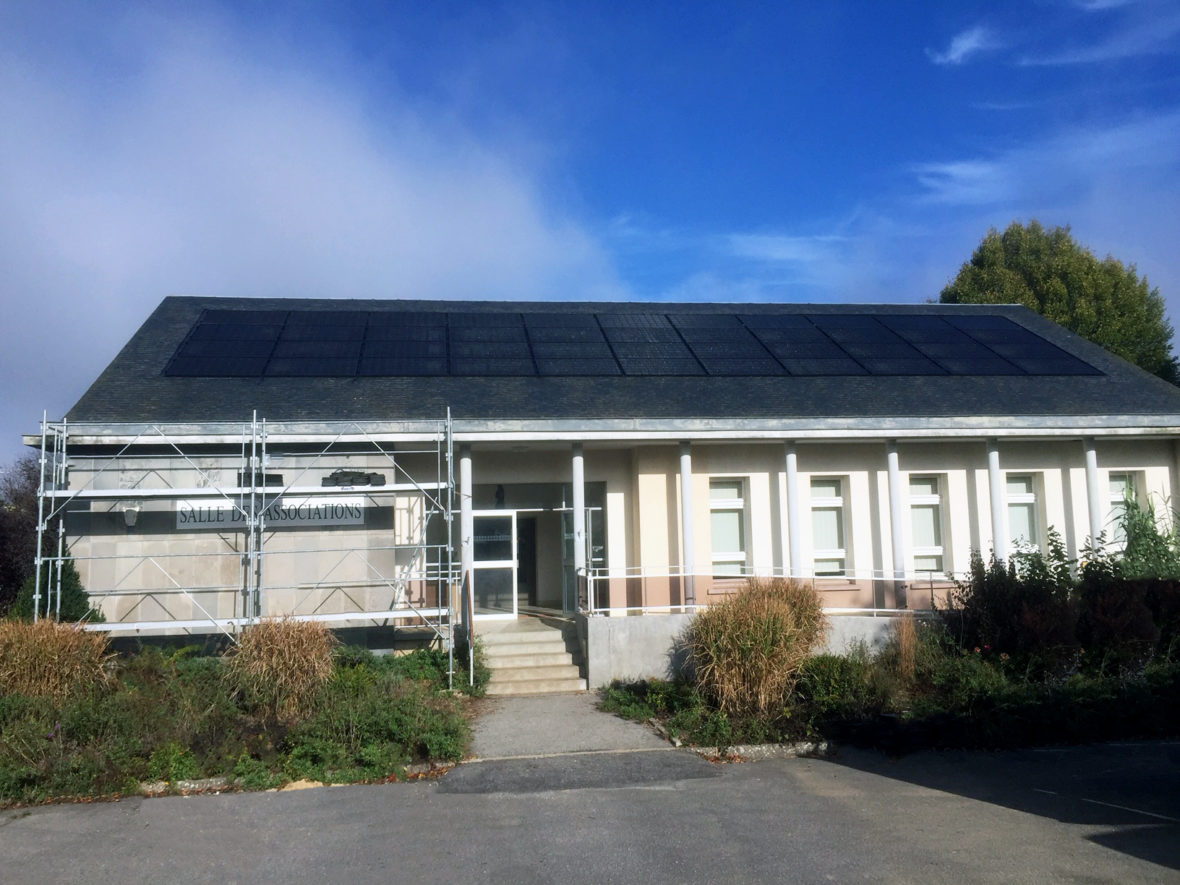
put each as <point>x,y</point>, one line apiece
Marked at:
<point>530,647</point>
<point>524,674</point>
<point>535,686</point>
<point>527,659</point>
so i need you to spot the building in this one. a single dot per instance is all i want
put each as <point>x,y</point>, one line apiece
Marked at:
<point>359,460</point>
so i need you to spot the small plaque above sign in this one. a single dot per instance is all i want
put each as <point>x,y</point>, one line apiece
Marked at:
<point>223,514</point>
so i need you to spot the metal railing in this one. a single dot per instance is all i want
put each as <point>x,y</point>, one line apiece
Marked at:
<point>663,590</point>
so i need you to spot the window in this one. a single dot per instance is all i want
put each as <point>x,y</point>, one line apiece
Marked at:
<point>1022,511</point>
<point>727,516</point>
<point>926,521</point>
<point>1122,490</point>
<point>829,556</point>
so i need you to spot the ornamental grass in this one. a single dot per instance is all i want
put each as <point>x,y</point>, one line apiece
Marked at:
<point>747,651</point>
<point>280,666</point>
<point>50,659</point>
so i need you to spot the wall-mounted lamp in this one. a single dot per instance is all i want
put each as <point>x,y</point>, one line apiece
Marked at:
<point>131,513</point>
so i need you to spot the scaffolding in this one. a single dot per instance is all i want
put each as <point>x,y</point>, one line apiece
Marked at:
<point>210,528</point>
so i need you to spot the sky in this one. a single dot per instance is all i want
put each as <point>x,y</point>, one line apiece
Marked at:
<point>801,152</point>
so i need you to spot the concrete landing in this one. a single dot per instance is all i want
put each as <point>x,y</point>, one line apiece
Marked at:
<point>545,725</point>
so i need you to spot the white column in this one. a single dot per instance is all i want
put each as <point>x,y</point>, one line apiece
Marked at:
<point>686,517</point>
<point>794,525</point>
<point>995,481</point>
<point>896,515</point>
<point>466,528</point>
<point>1093,490</point>
<point>579,483</point>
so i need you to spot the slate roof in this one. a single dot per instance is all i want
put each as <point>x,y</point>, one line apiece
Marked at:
<point>136,386</point>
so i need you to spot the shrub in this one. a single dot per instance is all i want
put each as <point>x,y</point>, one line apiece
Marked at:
<point>49,659</point>
<point>75,603</point>
<point>279,667</point>
<point>746,652</point>
<point>840,688</point>
<point>1023,609</point>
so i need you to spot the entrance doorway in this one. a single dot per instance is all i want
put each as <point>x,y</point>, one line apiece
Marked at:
<point>493,576</point>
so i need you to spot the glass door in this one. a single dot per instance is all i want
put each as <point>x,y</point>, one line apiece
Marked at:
<point>493,577</point>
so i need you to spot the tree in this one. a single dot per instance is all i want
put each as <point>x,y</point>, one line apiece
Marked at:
<point>18,525</point>
<point>1051,273</point>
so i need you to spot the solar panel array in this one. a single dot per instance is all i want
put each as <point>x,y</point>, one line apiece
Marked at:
<point>341,343</point>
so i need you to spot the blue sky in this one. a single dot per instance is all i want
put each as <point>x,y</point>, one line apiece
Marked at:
<point>660,151</point>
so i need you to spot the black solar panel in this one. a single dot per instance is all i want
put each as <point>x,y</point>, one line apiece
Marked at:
<point>568,366</point>
<point>327,318</point>
<point>490,349</point>
<point>401,365</point>
<point>664,366</point>
<point>294,332</point>
<point>734,366</point>
<point>304,367</point>
<point>492,367</point>
<point>226,347</point>
<point>555,350</point>
<point>559,321</point>
<point>341,343</point>
<point>565,333</point>
<point>406,333</point>
<point>978,366</point>
<point>314,349</point>
<point>374,348</point>
<point>633,321</point>
<point>843,366</point>
<point>217,367</point>
<point>235,332</point>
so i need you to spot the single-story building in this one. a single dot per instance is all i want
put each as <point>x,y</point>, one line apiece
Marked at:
<point>495,464</point>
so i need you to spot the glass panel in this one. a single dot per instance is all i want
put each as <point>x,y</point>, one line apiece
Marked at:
<point>727,569</point>
<point>1022,524</point>
<point>927,529</point>
<point>1020,485</point>
<point>728,535</point>
<point>494,591</point>
<point>829,567</point>
<point>725,489</point>
<point>827,529</point>
<point>1120,487</point>
<point>493,538</point>
<point>928,563</point>
<point>825,488</point>
<point>923,485</point>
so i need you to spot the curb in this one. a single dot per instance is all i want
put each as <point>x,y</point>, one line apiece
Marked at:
<point>752,752</point>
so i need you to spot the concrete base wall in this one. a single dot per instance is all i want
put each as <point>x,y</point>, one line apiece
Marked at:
<point>647,647</point>
<point>639,647</point>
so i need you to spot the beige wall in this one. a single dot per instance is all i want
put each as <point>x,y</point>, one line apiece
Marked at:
<point>378,566</point>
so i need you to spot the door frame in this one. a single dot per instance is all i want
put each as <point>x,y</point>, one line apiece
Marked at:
<point>488,564</point>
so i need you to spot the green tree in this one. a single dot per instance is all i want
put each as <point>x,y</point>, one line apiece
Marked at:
<point>1048,271</point>
<point>18,525</point>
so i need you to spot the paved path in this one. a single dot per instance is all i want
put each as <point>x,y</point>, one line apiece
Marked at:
<point>546,725</point>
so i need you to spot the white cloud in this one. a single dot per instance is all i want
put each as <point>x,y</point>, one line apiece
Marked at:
<point>200,165</point>
<point>965,45</point>
<point>1142,36</point>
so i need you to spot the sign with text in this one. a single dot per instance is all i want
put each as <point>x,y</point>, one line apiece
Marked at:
<point>220,513</point>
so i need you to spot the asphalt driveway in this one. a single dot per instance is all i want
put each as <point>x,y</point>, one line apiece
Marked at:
<point>1099,814</point>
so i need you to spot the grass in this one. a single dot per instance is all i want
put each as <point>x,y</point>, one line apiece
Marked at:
<point>176,716</point>
<point>50,659</point>
<point>280,665</point>
<point>746,651</point>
